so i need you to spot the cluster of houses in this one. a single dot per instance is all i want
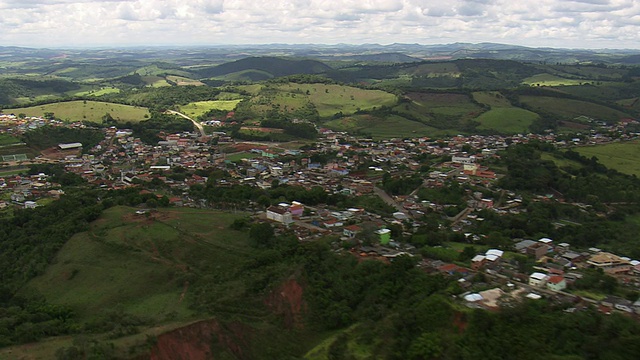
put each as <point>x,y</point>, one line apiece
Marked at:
<point>339,163</point>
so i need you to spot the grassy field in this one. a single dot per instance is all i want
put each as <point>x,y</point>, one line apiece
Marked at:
<point>387,128</point>
<point>328,99</point>
<point>436,69</point>
<point>240,156</point>
<point>550,80</point>
<point>503,116</point>
<point>491,98</point>
<point>507,120</point>
<point>569,108</point>
<point>198,108</point>
<point>183,81</point>
<point>85,110</point>
<point>622,156</point>
<point>253,89</point>
<point>139,262</point>
<point>98,92</point>
<point>561,163</point>
<point>12,172</point>
<point>8,140</point>
<point>441,103</point>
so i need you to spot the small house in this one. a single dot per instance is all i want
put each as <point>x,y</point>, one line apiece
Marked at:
<point>556,283</point>
<point>279,214</point>
<point>385,236</point>
<point>538,279</point>
<point>351,231</point>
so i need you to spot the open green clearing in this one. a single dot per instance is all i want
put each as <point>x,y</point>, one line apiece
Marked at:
<point>6,139</point>
<point>491,99</point>
<point>440,103</point>
<point>435,69</point>
<point>569,108</point>
<point>139,262</point>
<point>198,108</point>
<point>622,156</point>
<point>240,156</point>
<point>550,80</point>
<point>507,120</point>
<point>183,81</point>
<point>561,162</point>
<point>98,92</point>
<point>378,128</point>
<point>328,99</point>
<point>503,117</point>
<point>85,110</point>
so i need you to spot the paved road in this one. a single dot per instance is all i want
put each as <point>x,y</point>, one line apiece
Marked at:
<point>195,123</point>
<point>389,200</point>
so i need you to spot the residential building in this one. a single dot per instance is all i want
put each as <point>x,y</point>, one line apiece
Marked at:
<point>609,263</point>
<point>538,279</point>
<point>385,236</point>
<point>279,214</point>
<point>556,283</point>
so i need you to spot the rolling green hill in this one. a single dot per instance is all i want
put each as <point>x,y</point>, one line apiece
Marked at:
<point>572,108</point>
<point>273,66</point>
<point>85,110</point>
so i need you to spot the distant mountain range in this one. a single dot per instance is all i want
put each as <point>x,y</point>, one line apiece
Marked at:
<point>344,52</point>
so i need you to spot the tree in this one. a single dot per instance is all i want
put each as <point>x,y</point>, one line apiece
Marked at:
<point>262,234</point>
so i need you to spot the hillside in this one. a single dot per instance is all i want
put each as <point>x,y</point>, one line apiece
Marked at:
<point>269,66</point>
<point>93,111</point>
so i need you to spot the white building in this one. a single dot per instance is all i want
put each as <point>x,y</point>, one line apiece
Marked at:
<point>538,279</point>
<point>279,214</point>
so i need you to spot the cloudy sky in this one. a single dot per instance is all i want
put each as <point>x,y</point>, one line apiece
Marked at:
<point>89,23</point>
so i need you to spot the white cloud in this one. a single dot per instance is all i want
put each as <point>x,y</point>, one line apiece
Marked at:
<point>560,23</point>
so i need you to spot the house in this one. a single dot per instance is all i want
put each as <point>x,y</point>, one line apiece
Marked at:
<point>478,262</point>
<point>296,209</point>
<point>523,245</point>
<point>385,236</point>
<point>609,263</point>
<point>351,230</point>
<point>556,283</point>
<point>30,205</point>
<point>17,197</point>
<point>538,279</point>
<point>537,250</point>
<point>279,214</point>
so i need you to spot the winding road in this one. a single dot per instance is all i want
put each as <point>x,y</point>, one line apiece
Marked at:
<point>195,123</point>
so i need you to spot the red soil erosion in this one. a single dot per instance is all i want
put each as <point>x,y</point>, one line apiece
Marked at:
<point>194,342</point>
<point>287,301</point>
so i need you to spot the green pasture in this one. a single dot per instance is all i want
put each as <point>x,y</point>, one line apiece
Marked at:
<point>183,81</point>
<point>570,108</point>
<point>379,128</point>
<point>139,262</point>
<point>240,156</point>
<point>601,91</point>
<point>621,156</point>
<point>99,92</point>
<point>253,89</point>
<point>435,69</point>
<point>509,120</point>
<point>85,110</point>
<point>440,103</point>
<point>502,116</point>
<point>198,108</point>
<point>6,139</point>
<point>551,80</point>
<point>491,98</point>
<point>561,162</point>
<point>330,99</point>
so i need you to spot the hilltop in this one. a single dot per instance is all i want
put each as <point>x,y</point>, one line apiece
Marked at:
<point>262,68</point>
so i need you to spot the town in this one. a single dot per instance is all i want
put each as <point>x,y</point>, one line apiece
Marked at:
<point>354,168</point>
